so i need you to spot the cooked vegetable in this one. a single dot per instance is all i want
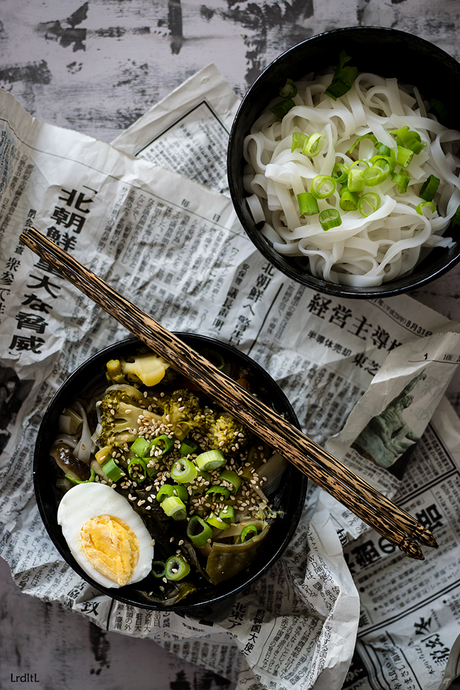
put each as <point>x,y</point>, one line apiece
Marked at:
<point>188,468</point>
<point>148,369</point>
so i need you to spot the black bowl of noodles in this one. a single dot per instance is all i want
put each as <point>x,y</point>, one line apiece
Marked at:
<point>337,242</point>
<point>200,589</point>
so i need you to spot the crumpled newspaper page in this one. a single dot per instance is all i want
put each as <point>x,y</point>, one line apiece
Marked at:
<point>136,224</point>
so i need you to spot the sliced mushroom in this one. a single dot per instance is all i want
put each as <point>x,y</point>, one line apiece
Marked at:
<point>69,464</point>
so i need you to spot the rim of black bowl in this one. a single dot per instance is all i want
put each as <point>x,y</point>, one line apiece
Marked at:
<point>436,67</point>
<point>47,498</point>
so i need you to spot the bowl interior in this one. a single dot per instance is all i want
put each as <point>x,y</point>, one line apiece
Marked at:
<point>388,53</point>
<point>290,496</point>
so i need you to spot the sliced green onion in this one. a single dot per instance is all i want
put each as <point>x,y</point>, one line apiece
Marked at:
<point>402,179</point>
<point>374,176</point>
<point>289,90</point>
<point>163,443</point>
<point>188,447</point>
<point>232,478</point>
<point>210,460</point>
<point>248,532</point>
<point>369,135</point>
<point>165,491</point>
<point>404,156</point>
<point>181,491</point>
<point>356,181</point>
<point>348,200</point>
<point>214,357</point>
<point>385,163</point>
<point>137,470</point>
<point>183,471</point>
<point>216,521</point>
<point>330,218</point>
<point>409,139</point>
<point>343,78</point>
<point>440,109</point>
<point>339,172</point>
<point>112,470</point>
<point>383,149</point>
<point>198,531</point>
<point>308,206</point>
<point>456,216</point>
<point>174,507</point>
<point>227,514</point>
<point>281,109</point>
<point>79,481</point>
<point>176,568</point>
<point>425,205</point>
<point>298,140</point>
<point>360,164</point>
<point>220,493</point>
<point>314,144</point>
<point>323,186</point>
<point>368,203</point>
<point>140,446</point>
<point>429,188</point>
<point>158,569</point>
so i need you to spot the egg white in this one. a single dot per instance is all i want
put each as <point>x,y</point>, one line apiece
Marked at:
<point>85,501</point>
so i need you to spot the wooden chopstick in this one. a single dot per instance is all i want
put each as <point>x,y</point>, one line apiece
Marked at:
<point>350,489</point>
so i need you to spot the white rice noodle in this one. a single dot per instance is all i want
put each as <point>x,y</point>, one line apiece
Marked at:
<point>362,251</point>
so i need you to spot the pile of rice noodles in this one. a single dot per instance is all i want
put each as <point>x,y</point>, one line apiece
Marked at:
<point>362,251</point>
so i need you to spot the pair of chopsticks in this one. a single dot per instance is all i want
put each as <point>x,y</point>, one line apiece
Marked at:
<point>393,523</point>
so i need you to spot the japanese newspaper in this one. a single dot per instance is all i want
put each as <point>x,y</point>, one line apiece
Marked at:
<point>151,215</point>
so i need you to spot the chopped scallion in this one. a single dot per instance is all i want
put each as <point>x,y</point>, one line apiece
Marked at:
<point>298,140</point>
<point>220,493</point>
<point>112,470</point>
<point>158,569</point>
<point>216,521</point>
<point>343,78</point>
<point>368,203</point>
<point>281,109</point>
<point>210,460</point>
<point>369,135</point>
<point>429,188</point>
<point>404,156</point>
<point>456,216</point>
<point>330,218</point>
<point>308,206</point>
<point>176,568</point>
<point>356,181</point>
<point>84,481</point>
<point>137,470</point>
<point>402,179</point>
<point>183,471</point>
<point>322,186</point>
<point>340,172</point>
<point>248,532</point>
<point>198,531</point>
<point>425,206</point>
<point>348,200</point>
<point>314,144</point>
<point>174,507</point>
<point>231,477</point>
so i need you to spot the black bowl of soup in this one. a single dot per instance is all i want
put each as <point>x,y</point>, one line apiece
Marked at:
<point>361,99</point>
<point>226,523</point>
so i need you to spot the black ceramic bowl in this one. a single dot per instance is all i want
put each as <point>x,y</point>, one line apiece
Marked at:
<point>290,496</point>
<point>388,53</point>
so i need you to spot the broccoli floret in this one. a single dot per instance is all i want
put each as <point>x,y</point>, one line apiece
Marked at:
<point>146,368</point>
<point>224,432</point>
<point>181,409</point>
<point>118,418</point>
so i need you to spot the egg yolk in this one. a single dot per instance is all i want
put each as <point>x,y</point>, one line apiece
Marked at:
<point>111,547</point>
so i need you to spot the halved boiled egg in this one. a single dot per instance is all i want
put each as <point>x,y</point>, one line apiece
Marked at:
<point>107,538</point>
